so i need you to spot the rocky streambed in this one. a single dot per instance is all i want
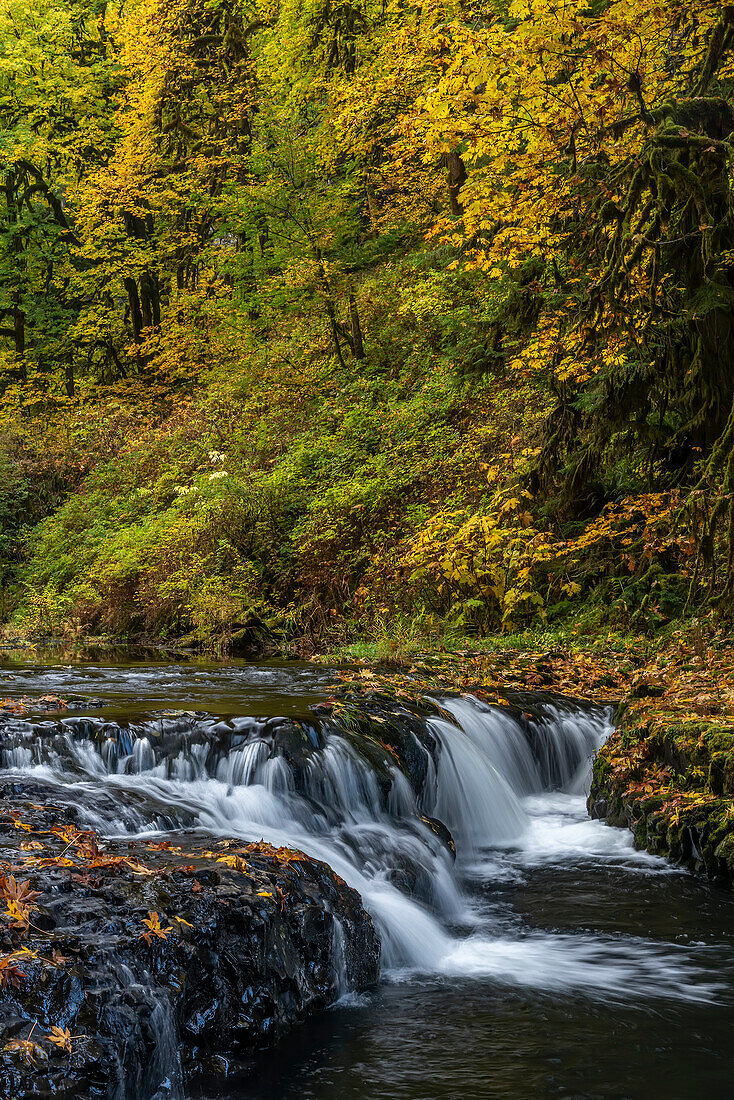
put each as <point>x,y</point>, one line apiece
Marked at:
<point>126,966</point>
<point>130,966</point>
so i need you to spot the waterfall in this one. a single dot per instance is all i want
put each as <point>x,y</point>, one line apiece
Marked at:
<point>310,787</point>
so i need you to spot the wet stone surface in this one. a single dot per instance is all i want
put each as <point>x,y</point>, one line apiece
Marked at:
<point>671,783</point>
<point>124,967</point>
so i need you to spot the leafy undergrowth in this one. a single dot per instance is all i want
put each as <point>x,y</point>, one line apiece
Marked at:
<point>605,668</point>
<point>668,770</point>
<point>670,778</point>
<point>417,322</point>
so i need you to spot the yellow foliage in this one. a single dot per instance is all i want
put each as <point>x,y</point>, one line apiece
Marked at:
<point>490,565</point>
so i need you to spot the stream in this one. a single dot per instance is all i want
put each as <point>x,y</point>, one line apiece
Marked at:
<point>550,959</point>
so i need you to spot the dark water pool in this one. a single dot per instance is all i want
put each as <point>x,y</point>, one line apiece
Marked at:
<point>470,1039</point>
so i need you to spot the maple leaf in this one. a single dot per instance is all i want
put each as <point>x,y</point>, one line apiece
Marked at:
<point>237,863</point>
<point>62,1038</point>
<point>17,916</point>
<point>10,972</point>
<point>68,834</point>
<point>26,1049</point>
<point>87,847</point>
<point>180,921</point>
<point>19,901</point>
<point>84,878</point>
<point>20,892</point>
<point>138,868</point>
<point>155,929</point>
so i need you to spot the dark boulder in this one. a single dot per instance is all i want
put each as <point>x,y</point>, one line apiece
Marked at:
<point>142,963</point>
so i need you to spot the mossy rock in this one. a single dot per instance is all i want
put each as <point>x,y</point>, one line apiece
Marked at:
<point>725,852</point>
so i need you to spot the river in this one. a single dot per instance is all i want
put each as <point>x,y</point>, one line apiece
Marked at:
<point>550,960</point>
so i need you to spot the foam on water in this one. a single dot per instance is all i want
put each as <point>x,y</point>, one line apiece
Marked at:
<point>601,966</point>
<point>510,791</point>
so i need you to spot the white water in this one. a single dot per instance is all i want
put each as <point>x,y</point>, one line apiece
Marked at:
<point>512,799</point>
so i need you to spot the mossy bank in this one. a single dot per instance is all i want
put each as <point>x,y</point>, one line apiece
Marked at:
<point>671,781</point>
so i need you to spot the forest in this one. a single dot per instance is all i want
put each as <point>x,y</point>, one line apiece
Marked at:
<point>323,323</point>
<point>366,549</point>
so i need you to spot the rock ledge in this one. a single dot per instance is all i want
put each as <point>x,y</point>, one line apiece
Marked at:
<point>126,967</point>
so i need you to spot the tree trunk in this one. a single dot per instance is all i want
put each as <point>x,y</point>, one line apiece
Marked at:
<point>331,314</point>
<point>150,300</point>
<point>19,330</point>
<point>17,313</point>
<point>329,304</point>
<point>136,317</point>
<point>356,329</point>
<point>457,179</point>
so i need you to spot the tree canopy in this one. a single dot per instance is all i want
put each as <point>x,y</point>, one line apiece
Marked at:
<point>315,312</point>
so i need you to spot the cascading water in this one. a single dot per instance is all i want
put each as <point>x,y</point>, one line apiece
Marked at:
<point>500,782</point>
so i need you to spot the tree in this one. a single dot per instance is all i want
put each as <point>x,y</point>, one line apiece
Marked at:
<point>56,77</point>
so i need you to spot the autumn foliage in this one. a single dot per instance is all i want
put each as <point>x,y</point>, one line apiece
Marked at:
<point>53,854</point>
<point>316,317</point>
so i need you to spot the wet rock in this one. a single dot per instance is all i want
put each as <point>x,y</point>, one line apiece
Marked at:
<point>387,733</point>
<point>598,808</point>
<point>440,830</point>
<point>671,788</point>
<point>161,958</point>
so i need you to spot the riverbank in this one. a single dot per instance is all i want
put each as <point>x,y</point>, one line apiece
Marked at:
<point>124,963</point>
<point>461,824</point>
